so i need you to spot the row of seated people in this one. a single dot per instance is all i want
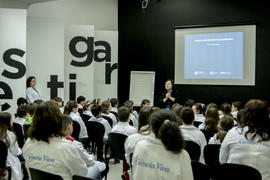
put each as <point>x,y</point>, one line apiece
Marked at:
<point>159,133</point>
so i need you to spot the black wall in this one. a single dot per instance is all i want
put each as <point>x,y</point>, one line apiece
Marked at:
<point>146,43</point>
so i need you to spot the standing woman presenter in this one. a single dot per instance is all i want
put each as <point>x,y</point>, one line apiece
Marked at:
<point>169,96</point>
<point>31,93</point>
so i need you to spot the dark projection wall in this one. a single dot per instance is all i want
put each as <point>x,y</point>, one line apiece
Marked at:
<point>146,43</point>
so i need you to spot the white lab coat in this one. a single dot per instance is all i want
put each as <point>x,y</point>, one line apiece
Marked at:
<point>235,148</point>
<point>214,140</point>
<point>77,118</point>
<point>152,161</point>
<point>234,114</point>
<point>58,157</point>
<point>114,109</point>
<point>32,95</point>
<point>105,124</point>
<point>89,113</point>
<point>134,120</point>
<point>12,159</point>
<point>199,117</point>
<point>110,115</point>
<point>191,133</point>
<point>88,158</point>
<point>19,121</point>
<point>124,128</point>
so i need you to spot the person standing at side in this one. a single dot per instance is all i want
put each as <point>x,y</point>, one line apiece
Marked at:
<point>31,93</point>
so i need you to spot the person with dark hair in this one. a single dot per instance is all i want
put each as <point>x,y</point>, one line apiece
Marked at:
<point>189,103</point>
<point>96,111</point>
<point>143,132</point>
<point>31,93</point>
<point>145,102</point>
<point>169,96</point>
<point>250,143</point>
<point>30,112</point>
<point>214,105</point>
<point>190,132</point>
<point>59,102</point>
<point>87,108</point>
<point>225,124</point>
<point>236,106</point>
<point>81,102</point>
<point>21,101</point>
<point>198,110</point>
<point>114,102</point>
<point>95,166</point>
<point>105,109</point>
<point>9,138</point>
<point>176,108</point>
<point>71,109</point>
<point>123,126</point>
<point>21,115</point>
<point>225,109</point>
<point>238,117</point>
<point>132,116</point>
<point>162,157</point>
<point>47,149</point>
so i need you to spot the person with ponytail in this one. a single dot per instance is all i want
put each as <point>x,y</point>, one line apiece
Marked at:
<point>162,156</point>
<point>225,124</point>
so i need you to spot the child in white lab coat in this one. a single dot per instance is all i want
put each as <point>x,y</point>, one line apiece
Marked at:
<point>7,136</point>
<point>105,109</point>
<point>48,150</point>
<point>250,143</point>
<point>162,157</point>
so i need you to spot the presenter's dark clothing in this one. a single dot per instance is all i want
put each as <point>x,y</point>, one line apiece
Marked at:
<point>168,104</point>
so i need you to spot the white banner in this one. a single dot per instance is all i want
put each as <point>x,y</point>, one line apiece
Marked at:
<point>106,64</point>
<point>79,53</point>
<point>45,57</point>
<point>12,57</point>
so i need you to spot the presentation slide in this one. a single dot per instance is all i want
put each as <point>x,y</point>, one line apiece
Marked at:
<point>214,56</point>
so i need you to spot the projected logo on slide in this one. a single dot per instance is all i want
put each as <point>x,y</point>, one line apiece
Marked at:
<point>214,56</point>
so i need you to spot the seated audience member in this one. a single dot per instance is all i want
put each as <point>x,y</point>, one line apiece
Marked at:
<point>81,102</point>
<point>71,109</point>
<point>96,111</point>
<point>145,102</point>
<point>21,101</point>
<point>143,132</point>
<point>163,154</point>
<point>133,119</point>
<point>176,108</point>
<point>114,103</point>
<point>87,108</point>
<point>18,124</point>
<point>190,132</point>
<point>47,149</point>
<point>236,106</point>
<point>225,124</point>
<point>30,112</point>
<point>9,138</point>
<point>59,102</point>
<point>105,109</point>
<point>211,105</point>
<point>154,109</point>
<point>123,126</point>
<point>189,103</point>
<point>95,166</point>
<point>250,143</point>
<point>225,108</point>
<point>209,127</point>
<point>238,117</point>
<point>198,110</point>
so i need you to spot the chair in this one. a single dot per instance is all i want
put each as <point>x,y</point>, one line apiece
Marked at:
<point>200,171</point>
<point>197,123</point>
<point>110,121</point>
<point>116,143</point>
<point>85,117</point>
<point>211,156</point>
<point>80,178</point>
<point>234,171</point>
<point>208,134</point>
<point>96,132</point>
<point>25,129</point>
<point>193,149</point>
<point>42,175</point>
<point>19,133</point>
<point>76,130</point>
<point>115,114</point>
<point>3,159</point>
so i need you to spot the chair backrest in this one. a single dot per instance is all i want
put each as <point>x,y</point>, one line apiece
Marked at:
<point>25,129</point>
<point>115,114</point>
<point>42,175</point>
<point>76,130</point>
<point>116,142</point>
<point>200,171</point>
<point>95,131</point>
<point>197,123</point>
<point>234,171</point>
<point>110,121</point>
<point>85,117</point>
<point>3,154</point>
<point>211,155</point>
<point>19,133</point>
<point>80,178</point>
<point>208,134</point>
<point>193,149</point>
